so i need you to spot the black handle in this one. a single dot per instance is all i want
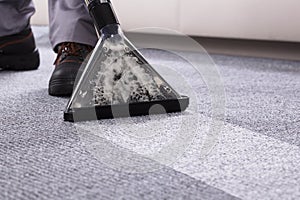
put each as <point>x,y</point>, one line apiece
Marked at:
<point>102,13</point>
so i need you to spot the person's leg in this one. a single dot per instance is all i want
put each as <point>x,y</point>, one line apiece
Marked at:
<point>70,22</point>
<point>73,36</point>
<point>15,16</point>
<point>17,45</point>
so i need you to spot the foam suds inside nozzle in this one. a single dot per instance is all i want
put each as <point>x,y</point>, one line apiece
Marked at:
<point>122,76</point>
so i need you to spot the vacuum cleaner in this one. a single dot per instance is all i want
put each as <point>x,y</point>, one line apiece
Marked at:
<point>117,81</point>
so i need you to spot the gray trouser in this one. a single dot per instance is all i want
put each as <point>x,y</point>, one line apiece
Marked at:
<point>68,19</point>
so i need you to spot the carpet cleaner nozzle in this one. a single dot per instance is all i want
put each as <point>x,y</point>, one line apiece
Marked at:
<point>117,81</point>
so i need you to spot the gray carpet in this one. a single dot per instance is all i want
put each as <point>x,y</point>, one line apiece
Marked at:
<point>257,155</point>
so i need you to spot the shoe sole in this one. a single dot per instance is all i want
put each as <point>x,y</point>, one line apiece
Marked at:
<point>20,62</point>
<point>61,87</point>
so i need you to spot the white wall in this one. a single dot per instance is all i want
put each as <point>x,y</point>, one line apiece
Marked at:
<point>247,19</point>
<point>41,15</point>
<point>253,19</point>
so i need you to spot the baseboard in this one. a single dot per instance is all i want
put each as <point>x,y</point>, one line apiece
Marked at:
<point>239,47</point>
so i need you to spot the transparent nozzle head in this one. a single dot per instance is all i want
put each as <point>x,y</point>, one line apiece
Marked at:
<point>117,73</point>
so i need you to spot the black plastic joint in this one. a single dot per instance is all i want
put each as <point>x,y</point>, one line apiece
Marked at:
<point>102,13</point>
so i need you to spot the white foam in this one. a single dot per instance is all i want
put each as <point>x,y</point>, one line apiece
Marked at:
<point>124,78</point>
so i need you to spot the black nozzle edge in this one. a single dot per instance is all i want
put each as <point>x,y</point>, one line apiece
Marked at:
<point>102,13</point>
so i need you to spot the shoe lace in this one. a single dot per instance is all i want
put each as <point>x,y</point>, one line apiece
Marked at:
<point>72,49</point>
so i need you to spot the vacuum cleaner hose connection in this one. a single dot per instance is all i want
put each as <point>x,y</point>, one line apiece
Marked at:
<point>102,13</point>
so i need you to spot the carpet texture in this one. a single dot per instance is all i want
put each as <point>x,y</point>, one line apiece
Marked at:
<point>256,154</point>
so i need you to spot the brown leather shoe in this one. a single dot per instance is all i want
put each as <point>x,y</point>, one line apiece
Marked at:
<point>18,51</point>
<point>69,59</point>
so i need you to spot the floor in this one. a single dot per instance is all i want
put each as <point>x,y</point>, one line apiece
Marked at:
<point>239,139</point>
